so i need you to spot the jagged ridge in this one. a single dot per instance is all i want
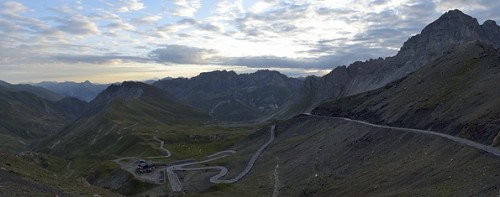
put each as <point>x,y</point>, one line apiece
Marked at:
<point>452,29</point>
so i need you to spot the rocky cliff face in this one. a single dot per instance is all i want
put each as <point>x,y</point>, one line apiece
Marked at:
<point>126,91</point>
<point>452,29</point>
<point>232,97</point>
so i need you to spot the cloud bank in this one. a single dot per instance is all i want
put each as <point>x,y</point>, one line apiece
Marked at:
<point>307,35</point>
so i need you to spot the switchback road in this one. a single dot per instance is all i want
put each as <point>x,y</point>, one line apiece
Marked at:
<point>176,184</point>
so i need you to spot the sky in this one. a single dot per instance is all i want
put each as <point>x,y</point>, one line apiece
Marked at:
<point>108,41</point>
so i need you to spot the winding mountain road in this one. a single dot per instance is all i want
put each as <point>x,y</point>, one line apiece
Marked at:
<point>162,144</point>
<point>486,148</point>
<point>176,184</point>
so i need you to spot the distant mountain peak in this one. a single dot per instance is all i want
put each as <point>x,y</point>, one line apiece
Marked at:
<point>130,90</point>
<point>127,90</point>
<point>454,13</point>
<point>490,23</point>
<point>455,18</point>
<point>453,28</point>
<point>130,84</point>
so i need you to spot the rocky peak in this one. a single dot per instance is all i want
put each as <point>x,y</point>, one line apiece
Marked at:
<point>216,74</point>
<point>126,91</point>
<point>492,32</point>
<point>454,14</point>
<point>490,23</point>
<point>451,29</point>
<point>464,26</point>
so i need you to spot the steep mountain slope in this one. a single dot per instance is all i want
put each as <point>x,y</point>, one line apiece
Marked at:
<point>115,111</point>
<point>319,156</point>
<point>85,91</point>
<point>72,107</point>
<point>232,97</point>
<point>39,91</point>
<point>23,175</point>
<point>25,118</point>
<point>452,29</point>
<point>457,94</point>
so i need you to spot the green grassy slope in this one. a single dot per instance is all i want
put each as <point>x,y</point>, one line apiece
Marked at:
<point>26,117</point>
<point>123,121</point>
<point>25,176</point>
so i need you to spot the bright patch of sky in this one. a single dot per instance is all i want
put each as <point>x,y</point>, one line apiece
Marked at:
<point>109,41</point>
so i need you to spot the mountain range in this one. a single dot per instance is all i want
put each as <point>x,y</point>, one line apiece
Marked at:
<point>85,91</point>
<point>228,96</point>
<point>38,91</point>
<point>421,123</point>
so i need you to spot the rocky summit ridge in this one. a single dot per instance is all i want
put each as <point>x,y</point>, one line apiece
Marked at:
<point>449,31</point>
<point>229,96</point>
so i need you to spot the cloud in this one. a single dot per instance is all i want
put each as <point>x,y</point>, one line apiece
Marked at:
<point>179,54</point>
<point>186,8</point>
<point>13,8</point>
<point>265,62</point>
<point>196,24</point>
<point>320,62</point>
<point>148,19</point>
<point>227,10</point>
<point>96,59</point>
<point>130,5</point>
<point>278,20</point>
<point>44,54</point>
<point>78,25</point>
<point>297,35</point>
<point>102,14</point>
<point>185,25</point>
<point>182,55</point>
<point>121,26</point>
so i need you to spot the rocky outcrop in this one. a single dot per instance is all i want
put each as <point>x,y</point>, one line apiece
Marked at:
<point>452,29</point>
<point>126,91</point>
